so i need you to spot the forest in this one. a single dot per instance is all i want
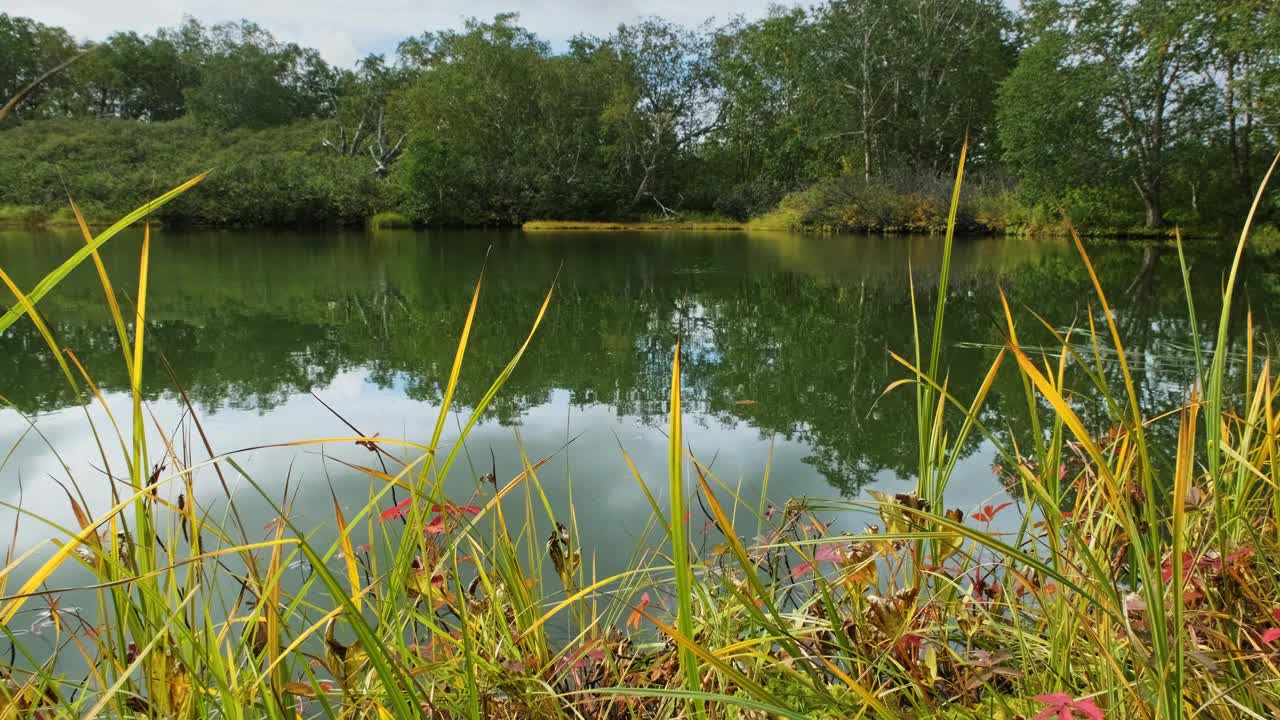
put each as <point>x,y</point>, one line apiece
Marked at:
<point>1123,115</point>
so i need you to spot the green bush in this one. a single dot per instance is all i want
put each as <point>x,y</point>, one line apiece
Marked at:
<point>390,220</point>
<point>277,176</point>
<point>906,203</point>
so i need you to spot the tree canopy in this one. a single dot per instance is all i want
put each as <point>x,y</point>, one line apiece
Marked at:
<point>1118,111</point>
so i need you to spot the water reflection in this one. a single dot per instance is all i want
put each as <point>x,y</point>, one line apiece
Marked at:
<point>787,344</point>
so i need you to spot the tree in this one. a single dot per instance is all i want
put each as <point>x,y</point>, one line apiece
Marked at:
<point>1245,65</point>
<point>908,79</point>
<point>133,77</point>
<point>475,114</point>
<point>1141,63</point>
<point>361,99</point>
<point>1050,125</point>
<point>249,79</point>
<point>771,138</point>
<point>671,105</point>
<point>32,55</point>
<point>881,91</point>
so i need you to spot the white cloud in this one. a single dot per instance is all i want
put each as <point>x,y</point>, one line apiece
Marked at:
<point>344,31</point>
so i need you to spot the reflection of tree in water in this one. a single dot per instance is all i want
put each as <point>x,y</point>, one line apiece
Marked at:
<point>799,354</point>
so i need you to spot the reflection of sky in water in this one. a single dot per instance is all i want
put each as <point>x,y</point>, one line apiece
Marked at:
<point>611,509</point>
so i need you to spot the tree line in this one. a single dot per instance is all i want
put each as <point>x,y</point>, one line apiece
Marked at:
<point>1117,111</point>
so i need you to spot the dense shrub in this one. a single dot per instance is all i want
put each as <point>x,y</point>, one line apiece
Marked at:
<point>278,176</point>
<point>906,202</point>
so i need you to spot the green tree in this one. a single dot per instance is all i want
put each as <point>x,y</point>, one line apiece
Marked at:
<point>907,79</point>
<point>1140,66</point>
<point>882,91</point>
<point>133,77</point>
<point>1051,126</point>
<point>475,112</point>
<point>672,103</point>
<point>33,57</point>
<point>250,79</point>
<point>770,141</point>
<point>1245,61</point>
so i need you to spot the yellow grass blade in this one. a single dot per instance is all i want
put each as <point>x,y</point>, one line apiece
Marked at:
<point>27,304</point>
<point>348,552</point>
<point>42,573</point>
<point>60,272</point>
<point>116,316</point>
<point>140,321</point>
<point>456,371</point>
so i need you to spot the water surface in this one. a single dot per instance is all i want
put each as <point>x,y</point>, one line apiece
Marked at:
<point>786,338</point>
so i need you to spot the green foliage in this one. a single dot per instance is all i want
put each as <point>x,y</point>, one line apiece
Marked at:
<point>228,76</point>
<point>866,89</point>
<point>474,155</point>
<point>269,177</point>
<point>1118,112</point>
<point>249,79</point>
<point>28,49</point>
<point>389,220</point>
<point>130,76</point>
<point>900,203</point>
<point>1154,101</point>
<point>1050,126</point>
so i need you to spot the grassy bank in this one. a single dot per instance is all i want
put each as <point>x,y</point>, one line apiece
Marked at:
<point>919,203</point>
<point>632,225</point>
<point>1139,582</point>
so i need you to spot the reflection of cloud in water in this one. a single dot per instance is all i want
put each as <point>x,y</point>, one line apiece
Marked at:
<point>786,338</point>
<point>609,505</point>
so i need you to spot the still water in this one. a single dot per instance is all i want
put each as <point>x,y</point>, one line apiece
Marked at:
<point>786,356</point>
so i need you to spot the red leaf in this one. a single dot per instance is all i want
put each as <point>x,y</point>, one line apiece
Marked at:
<point>396,512</point>
<point>826,553</point>
<point>1087,708</point>
<point>910,642</point>
<point>989,512</point>
<point>633,620</point>
<point>830,553</point>
<point>436,525</point>
<point>1239,555</point>
<point>1188,562</point>
<point>1270,635</point>
<point>801,570</point>
<point>1064,707</point>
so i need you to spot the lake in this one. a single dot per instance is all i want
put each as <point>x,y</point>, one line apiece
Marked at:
<point>786,359</point>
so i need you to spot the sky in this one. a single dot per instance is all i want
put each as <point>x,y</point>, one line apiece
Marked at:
<point>345,31</point>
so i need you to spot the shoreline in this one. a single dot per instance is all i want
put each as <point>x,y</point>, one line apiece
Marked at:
<point>17,218</point>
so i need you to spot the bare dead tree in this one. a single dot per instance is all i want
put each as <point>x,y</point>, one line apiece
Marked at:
<point>346,143</point>
<point>13,102</point>
<point>384,156</point>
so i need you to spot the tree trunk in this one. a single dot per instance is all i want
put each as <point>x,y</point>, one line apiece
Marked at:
<point>1155,213</point>
<point>1151,202</point>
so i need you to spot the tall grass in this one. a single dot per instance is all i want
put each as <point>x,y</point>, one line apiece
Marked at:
<point>1129,588</point>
